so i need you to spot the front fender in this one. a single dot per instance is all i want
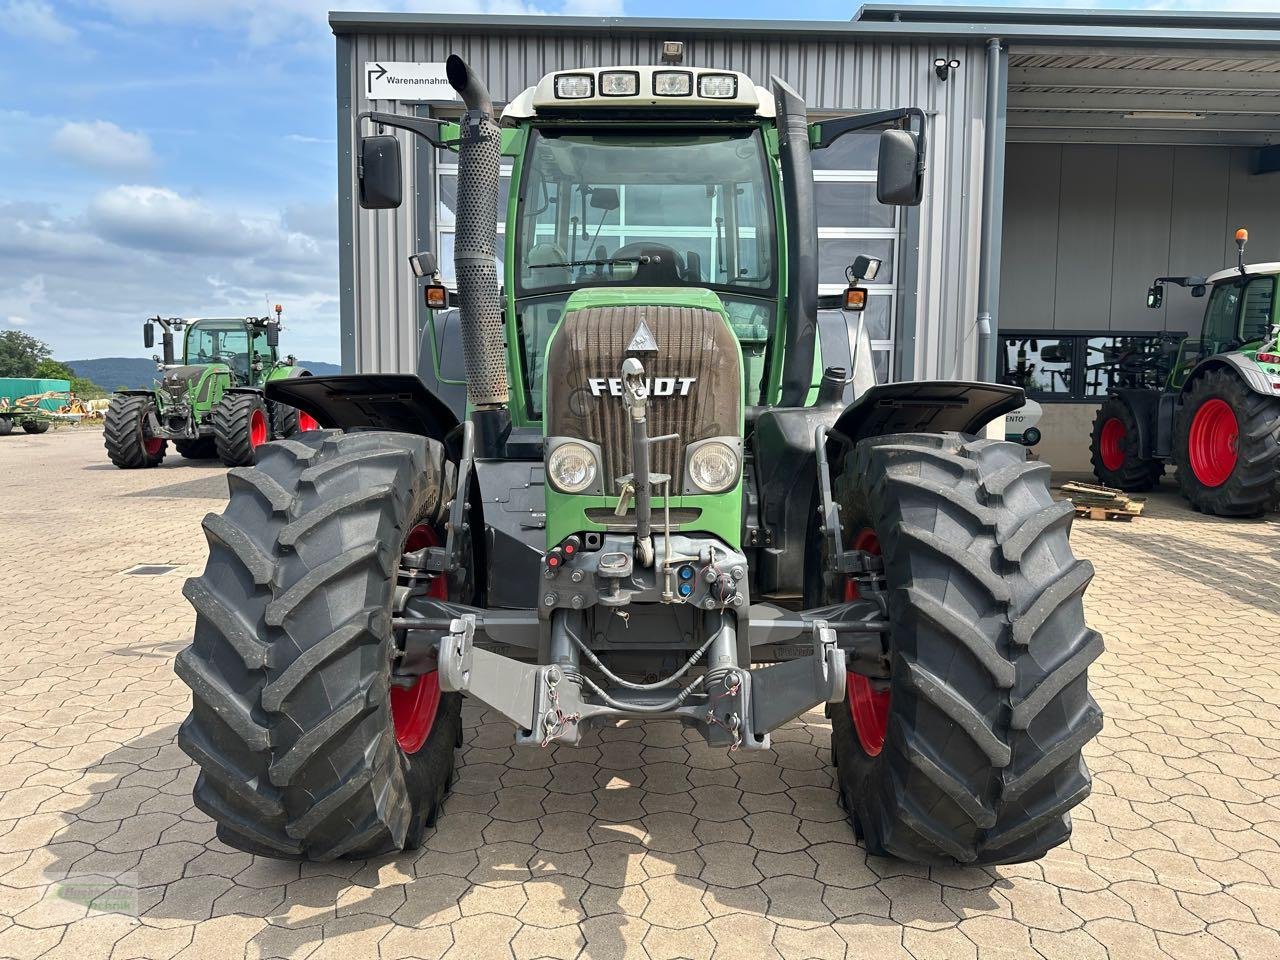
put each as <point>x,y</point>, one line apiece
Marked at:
<point>923,406</point>
<point>368,401</point>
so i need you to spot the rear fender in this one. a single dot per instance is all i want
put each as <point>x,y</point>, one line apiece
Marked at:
<point>368,401</point>
<point>1237,363</point>
<point>923,406</point>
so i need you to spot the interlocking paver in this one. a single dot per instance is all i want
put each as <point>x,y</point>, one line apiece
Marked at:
<point>644,842</point>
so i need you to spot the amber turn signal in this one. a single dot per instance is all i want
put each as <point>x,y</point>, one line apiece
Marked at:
<point>1242,235</point>
<point>855,299</point>
<point>437,296</point>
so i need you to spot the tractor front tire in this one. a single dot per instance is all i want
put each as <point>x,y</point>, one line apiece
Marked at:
<point>201,448</point>
<point>1226,443</point>
<point>1114,449</point>
<point>125,435</point>
<point>970,753</point>
<point>292,722</point>
<point>240,426</point>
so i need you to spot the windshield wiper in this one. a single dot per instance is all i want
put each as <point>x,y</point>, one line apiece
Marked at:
<point>642,259</point>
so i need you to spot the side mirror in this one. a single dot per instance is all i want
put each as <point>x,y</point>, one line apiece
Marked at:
<point>1199,290</point>
<point>1053,353</point>
<point>380,177</point>
<point>273,335</point>
<point>148,335</point>
<point>1155,295</point>
<point>899,181</point>
<point>605,198</point>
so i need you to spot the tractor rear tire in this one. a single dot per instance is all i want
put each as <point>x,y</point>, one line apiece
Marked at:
<point>35,426</point>
<point>290,665</point>
<point>125,433</point>
<point>240,426</point>
<point>1114,450</point>
<point>983,718</point>
<point>1226,443</point>
<point>6,426</point>
<point>201,448</point>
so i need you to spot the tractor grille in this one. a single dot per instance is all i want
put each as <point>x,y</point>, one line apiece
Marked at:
<point>692,343</point>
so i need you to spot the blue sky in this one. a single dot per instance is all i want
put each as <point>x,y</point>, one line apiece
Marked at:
<point>178,156</point>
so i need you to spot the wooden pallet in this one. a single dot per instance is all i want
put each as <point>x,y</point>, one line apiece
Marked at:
<point>1102,503</point>
<point>1108,513</point>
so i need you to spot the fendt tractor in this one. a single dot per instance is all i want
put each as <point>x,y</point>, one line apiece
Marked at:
<point>653,501</point>
<point>1210,405</point>
<point>212,404</point>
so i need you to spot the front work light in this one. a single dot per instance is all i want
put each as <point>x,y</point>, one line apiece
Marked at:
<point>718,86</point>
<point>571,468</point>
<point>713,466</point>
<point>619,83</point>
<point>573,86</point>
<point>672,83</point>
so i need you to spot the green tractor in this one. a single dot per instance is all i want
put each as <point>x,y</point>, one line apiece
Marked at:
<point>658,492</point>
<point>1210,405</point>
<point>212,404</point>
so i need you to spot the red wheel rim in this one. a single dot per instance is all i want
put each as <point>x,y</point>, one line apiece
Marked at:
<point>413,709</point>
<point>257,429</point>
<point>868,707</point>
<point>1211,443</point>
<point>306,422</point>
<point>1111,444</point>
<point>153,445</point>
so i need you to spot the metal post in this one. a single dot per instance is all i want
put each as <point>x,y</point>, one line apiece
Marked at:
<point>992,210</point>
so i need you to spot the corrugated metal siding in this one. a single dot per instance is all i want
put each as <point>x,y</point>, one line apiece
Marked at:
<point>831,75</point>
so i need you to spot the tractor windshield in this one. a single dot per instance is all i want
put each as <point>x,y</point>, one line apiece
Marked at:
<point>656,209</point>
<point>220,341</point>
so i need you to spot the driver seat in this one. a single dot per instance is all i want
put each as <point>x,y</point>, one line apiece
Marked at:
<point>662,270</point>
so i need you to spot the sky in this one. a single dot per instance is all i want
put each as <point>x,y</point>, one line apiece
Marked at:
<point>179,156</point>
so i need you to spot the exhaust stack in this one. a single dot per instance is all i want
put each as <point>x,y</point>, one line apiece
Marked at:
<point>475,242</point>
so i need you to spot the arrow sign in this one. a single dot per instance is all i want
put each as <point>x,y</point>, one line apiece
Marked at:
<point>409,82</point>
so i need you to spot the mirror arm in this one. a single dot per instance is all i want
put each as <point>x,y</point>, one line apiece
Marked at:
<point>829,131</point>
<point>428,128</point>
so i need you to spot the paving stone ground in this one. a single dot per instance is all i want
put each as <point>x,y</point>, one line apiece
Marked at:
<point>642,844</point>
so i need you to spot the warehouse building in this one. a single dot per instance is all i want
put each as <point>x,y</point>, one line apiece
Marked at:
<point>1073,157</point>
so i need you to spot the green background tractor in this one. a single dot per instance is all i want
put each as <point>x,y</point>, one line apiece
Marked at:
<point>1210,405</point>
<point>212,402</point>
<point>659,493</point>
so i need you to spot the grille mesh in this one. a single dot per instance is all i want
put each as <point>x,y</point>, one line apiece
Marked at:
<point>692,342</point>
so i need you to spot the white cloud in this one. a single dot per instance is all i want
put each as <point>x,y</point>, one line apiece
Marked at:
<point>85,280</point>
<point>306,20</point>
<point>101,145</point>
<point>15,321</point>
<point>34,20</point>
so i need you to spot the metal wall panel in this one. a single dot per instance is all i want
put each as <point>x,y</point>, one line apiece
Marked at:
<point>1087,227</point>
<point>831,75</point>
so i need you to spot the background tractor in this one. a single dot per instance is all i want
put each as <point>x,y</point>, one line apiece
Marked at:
<point>212,403</point>
<point>659,494</point>
<point>1210,405</point>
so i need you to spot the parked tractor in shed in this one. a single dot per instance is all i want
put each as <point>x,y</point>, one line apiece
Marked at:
<point>1209,405</point>
<point>660,495</point>
<point>212,404</point>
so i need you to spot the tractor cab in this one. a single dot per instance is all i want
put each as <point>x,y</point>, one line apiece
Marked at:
<point>245,346</point>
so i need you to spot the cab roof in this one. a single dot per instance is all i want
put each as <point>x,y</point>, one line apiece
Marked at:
<point>1253,269</point>
<point>543,98</point>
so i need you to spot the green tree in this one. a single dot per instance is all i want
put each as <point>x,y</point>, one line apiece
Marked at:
<point>82,387</point>
<point>20,354</point>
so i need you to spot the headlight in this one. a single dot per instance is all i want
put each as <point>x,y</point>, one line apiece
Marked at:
<point>673,83</point>
<point>574,86</point>
<point>571,468</point>
<point>619,83</point>
<point>713,466</point>
<point>718,86</point>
